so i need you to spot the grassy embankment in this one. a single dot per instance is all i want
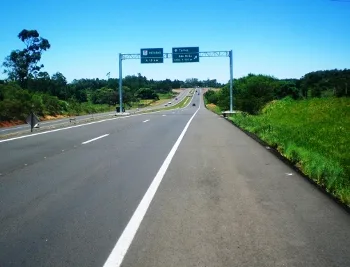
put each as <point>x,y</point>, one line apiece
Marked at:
<point>313,134</point>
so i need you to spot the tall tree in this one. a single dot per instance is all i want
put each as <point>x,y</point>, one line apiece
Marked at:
<point>58,85</point>
<point>21,65</point>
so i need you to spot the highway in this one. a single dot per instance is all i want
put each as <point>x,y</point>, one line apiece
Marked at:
<point>173,188</point>
<point>25,128</point>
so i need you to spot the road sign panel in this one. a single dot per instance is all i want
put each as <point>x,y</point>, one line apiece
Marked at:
<point>152,55</point>
<point>185,54</point>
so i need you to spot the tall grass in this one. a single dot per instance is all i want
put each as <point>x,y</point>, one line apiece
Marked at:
<point>75,109</point>
<point>314,134</point>
<point>214,108</point>
<point>167,95</point>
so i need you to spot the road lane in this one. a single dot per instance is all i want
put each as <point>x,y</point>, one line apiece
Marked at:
<point>19,153</point>
<point>70,208</point>
<point>65,121</point>
<point>224,200</point>
<point>227,201</point>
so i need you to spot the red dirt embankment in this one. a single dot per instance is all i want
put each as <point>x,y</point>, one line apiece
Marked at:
<point>10,123</point>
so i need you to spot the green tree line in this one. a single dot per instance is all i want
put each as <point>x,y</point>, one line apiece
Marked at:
<point>28,87</point>
<point>252,92</point>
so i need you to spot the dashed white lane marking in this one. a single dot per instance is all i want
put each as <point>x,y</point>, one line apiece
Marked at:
<point>145,120</point>
<point>94,139</point>
<point>117,255</point>
<point>163,115</point>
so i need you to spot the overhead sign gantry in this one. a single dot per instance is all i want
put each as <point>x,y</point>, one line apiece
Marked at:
<point>178,55</point>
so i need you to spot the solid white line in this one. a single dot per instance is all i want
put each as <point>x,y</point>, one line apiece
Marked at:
<point>91,140</point>
<point>146,121</point>
<point>118,253</point>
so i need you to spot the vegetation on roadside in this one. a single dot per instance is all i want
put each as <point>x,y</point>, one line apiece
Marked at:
<point>214,108</point>
<point>313,134</point>
<point>306,120</point>
<point>29,88</point>
<point>17,103</point>
<point>253,92</point>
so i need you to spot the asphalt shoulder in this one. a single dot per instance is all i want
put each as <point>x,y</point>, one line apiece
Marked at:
<point>227,201</point>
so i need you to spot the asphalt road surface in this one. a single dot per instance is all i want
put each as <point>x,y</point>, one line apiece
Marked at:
<point>172,188</point>
<point>57,122</point>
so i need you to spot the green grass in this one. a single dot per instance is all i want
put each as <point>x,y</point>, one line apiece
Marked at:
<point>313,134</point>
<point>142,103</point>
<point>76,109</point>
<point>183,103</point>
<point>214,108</point>
<point>167,95</point>
<point>148,102</point>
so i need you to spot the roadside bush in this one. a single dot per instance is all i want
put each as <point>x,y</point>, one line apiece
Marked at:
<point>52,105</point>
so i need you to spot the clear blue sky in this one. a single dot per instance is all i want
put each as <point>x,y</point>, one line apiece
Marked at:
<point>283,38</point>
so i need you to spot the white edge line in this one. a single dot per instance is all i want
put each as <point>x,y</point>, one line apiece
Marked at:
<point>118,253</point>
<point>94,139</point>
<point>76,126</point>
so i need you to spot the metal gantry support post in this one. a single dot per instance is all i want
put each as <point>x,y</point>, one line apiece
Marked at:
<point>120,83</point>
<point>231,82</point>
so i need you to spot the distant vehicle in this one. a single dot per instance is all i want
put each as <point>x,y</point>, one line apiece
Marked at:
<point>165,104</point>
<point>193,104</point>
<point>169,103</point>
<point>175,98</point>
